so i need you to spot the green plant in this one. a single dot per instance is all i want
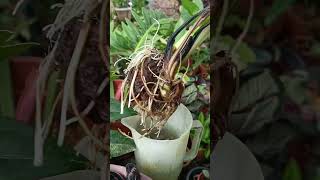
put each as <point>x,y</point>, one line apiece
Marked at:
<point>292,171</point>
<point>19,24</point>
<point>200,56</point>
<point>119,144</point>
<point>138,5</point>
<point>188,8</point>
<point>205,141</point>
<point>10,46</point>
<point>243,54</point>
<point>128,36</point>
<point>16,154</point>
<point>120,3</point>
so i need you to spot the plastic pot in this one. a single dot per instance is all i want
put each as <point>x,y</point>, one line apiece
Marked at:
<point>152,156</point>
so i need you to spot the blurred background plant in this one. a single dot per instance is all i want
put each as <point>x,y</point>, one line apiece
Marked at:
<point>121,3</point>
<point>28,22</point>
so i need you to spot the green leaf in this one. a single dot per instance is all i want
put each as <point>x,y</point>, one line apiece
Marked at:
<point>139,20</point>
<point>115,108</point>
<point>272,140</point>
<point>16,154</point>
<point>7,51</point>
<point>147,18</point>
<point>295,86</point>
<point>130,36</point>
<point>199,4</point>
<point>201,118</point>
<point>244,51</point>
<point>129,32</point>
<point>256,103</point>
<point>189,94</point>
<point>111,90</point>
<point>5,36</point>
<point>133,29</point>
<point>243,56</point>
<point>190,6</point>
<point>292,171</point>
<point>119,144</point>
<point>278,8</point>
<point>16,140</point>
<point>7,108</point>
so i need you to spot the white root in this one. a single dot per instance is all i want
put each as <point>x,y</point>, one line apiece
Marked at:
<point>135,66</point>
<point>68,90</point>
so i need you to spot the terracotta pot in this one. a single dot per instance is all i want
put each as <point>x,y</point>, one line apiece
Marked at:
<point>123,13</point>
<point>24,71</point>
<point>117,88</point>
<point>122,170</point>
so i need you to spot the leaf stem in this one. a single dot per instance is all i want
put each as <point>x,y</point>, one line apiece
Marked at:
<point>246,28</point>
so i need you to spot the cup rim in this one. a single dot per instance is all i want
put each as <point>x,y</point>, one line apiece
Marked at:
<point>159,140</point>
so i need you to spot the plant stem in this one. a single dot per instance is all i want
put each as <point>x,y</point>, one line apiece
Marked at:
<point>103,32</point>
<point>220,25</point>
<point>18,5</point>
<point>69,82</point>
<point>172,65</point>
<point>246,28</point>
